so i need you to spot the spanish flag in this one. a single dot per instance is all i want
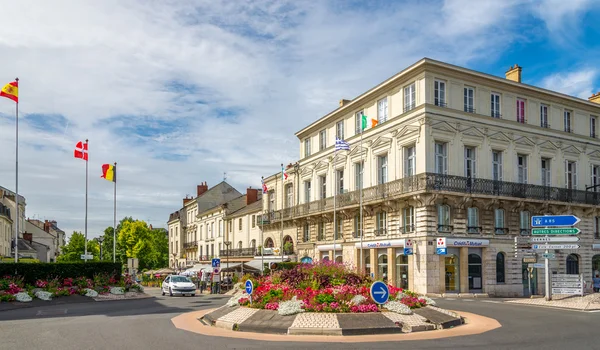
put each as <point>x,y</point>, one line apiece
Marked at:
<point>11,90</point>
<point>109,172</point>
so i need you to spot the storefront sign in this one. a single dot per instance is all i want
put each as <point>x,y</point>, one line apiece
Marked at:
<point>408,247</point>
<point>381,244</point>
<point>459,242</point>
<point>328,247</point>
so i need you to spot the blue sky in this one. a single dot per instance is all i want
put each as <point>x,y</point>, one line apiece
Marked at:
<point>179,92</point>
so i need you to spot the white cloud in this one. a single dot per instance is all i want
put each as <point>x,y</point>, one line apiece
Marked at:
<point>577,83</point>
<point>111,67</point>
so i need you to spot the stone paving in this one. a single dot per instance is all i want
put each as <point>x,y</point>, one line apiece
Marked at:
<point>585,303</point>
<point>413,320</point>
<point>238,316</point>
<point>316,320</point>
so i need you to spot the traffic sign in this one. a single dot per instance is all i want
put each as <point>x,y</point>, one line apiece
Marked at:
<point>441,251</point>
<point>566,284</point>
<point>537,266</point>
<point>441,242</point>
<point>555,231</point>
<point>216,262</point>
<point>554,239</point>
<point>87,257</point>
<point>554,220</point>
<point>549,256</point>
<point>408,251</point>
<point>216,270</point>
<point>408,247</point>
<point>380,292</point>
<point>566,290</point>
<point>249,287</point>
<point>564,276</point>
<point>530,259</point>
<point>555,246</point>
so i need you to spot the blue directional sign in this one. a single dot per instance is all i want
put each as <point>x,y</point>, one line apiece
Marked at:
<point>216,262</point>
<point>441,251</point>
<point>554,220</point>
<point>249,287</point>
<point>408,251</point>
<point>380,292</point>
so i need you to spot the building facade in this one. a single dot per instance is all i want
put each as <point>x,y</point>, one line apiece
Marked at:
<point>243,229</point>
<point>447,153</point>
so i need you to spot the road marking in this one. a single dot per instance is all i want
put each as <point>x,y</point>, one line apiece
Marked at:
<point>450,298</point>
<point>467,300</point>
<point>51,312</point>
<point>491,301</point>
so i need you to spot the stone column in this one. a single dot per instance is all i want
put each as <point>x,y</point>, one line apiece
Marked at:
<point>373,261</point>
<point>411,269</point>
<point>464,270</point>
<point>391,253</point>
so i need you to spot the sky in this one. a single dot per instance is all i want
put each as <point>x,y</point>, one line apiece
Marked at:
<point>181,92</point>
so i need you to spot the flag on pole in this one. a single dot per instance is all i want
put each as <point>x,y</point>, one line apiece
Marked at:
<point>264,186</point>
<point>364,121</point>
<point>11,90</point>
<point>285,176</point>
<point>341,145</point>
<point>81,151</point>
<point>109,172</point>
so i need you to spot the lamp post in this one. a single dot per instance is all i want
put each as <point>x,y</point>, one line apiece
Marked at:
<point>100,240</point>
<point>174,261</point>
<point>227,244</point>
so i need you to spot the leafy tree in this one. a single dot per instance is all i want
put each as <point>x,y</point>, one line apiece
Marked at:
<point>149,246</point>
<point>73,250</point>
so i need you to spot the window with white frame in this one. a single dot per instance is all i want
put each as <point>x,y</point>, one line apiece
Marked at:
<point>307,190</point>
<point>595,177</point>
<point>340,228</point>
<point>473,220</point>
<point>522,168</point>
<point>357,226</point>
<point>321,232</point>
<point>322,140</point>
<point>382,110</point>
<point>470,162</point>
<point>499,221</point>
<point>339,130</point>
<point>593,132</point>
<point>567,120</point>
<point>409,97</point>
<point>307,147</point>
<point>495,105</point>
<point>444,218</point>
<point>521,111</point>
<point>323,186</point>
<point>410,158</point>
<point>570,175</point>
<point>408,219</point>
<point>382,169</point>
<point>212,230</point>
<point>497,165</point>
<point>441,158</point>
<point>469,99</point>
<point>381,222</point>
<point>339,180</point>
<point>253,221</point>
<point>545,167</point>
<point>544,116</point>
<point>306,233</point>
<point>358,175</point>
<point>358,122</point>
<point>525,222</point>
<point>289,195</point>
<point>439,93</point>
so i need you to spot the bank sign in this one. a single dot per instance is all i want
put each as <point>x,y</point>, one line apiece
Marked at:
<point>458,242</point>
<point>383,244</point>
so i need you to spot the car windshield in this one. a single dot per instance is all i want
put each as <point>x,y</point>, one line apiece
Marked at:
<point>176,279</point>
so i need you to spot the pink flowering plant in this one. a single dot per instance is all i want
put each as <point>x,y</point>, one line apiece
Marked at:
<point>322,287</point>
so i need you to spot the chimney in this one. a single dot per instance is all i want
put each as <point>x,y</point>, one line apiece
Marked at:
<point>251,195</point>
<point>47,225</point>
<point>344,102</point>
<point>186,200</point>
<point>595,98</point>
<point>514,73</point>
<point>27,236</point>
<point>203,187</point>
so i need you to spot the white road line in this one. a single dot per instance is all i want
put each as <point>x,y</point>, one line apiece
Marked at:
<point>449,299</point>
<point>467,299</point>
<point>491,301</point>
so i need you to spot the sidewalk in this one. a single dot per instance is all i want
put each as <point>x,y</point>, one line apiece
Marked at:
<point>586,303</point>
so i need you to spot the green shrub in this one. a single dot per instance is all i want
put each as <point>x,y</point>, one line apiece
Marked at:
<point>48,271</point>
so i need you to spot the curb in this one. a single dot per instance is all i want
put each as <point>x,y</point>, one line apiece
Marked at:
<point>225,325</point>
<point>123,299</point>
<point>315,331</point>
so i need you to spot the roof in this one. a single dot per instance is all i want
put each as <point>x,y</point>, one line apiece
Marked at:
<point>216,195</point>
<point>24,246</point>
<point>9,193</point>
<point>247,209</point>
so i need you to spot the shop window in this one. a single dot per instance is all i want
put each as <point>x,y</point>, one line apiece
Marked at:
<point>382,267</point>
<point>572,264</point>
<point>452,273</point>
<point>525,223</point>
<point>499,228</point>
<point>367,265</point>
<point>381,224</point>
<point>500,268</point>
<point>401,271</point>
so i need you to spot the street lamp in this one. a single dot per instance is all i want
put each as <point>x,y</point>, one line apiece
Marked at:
<point>100,240</point>
<point>174,261</point>
<point>227,244</point>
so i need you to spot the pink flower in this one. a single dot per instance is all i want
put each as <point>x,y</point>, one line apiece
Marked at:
<point>272,306</point>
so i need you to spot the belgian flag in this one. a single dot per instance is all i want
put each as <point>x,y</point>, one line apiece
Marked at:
<point>109,172</point>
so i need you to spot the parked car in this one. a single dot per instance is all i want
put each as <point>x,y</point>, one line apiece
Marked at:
<point>178,285</point>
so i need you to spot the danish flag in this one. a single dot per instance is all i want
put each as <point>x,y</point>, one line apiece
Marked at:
<point>81,150</point>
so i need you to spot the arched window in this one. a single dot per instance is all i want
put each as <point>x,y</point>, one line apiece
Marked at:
<point>240,245</point>
<point>572,264</point>
<point>500,268</point>
<point>269,243</point>
<point>288,245</point>
<point>253,244</point>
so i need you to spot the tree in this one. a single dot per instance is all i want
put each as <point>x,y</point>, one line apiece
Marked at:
<point>75,248</point>
<point>149,246</point>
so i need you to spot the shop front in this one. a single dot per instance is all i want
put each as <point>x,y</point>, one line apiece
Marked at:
<point>385,260</point>
<point>327,252</point>
<point>463,265</point>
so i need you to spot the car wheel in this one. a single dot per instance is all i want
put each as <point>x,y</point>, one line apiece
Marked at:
<point>170,292</point>
<point>163,292</point>
<point>193,295</point>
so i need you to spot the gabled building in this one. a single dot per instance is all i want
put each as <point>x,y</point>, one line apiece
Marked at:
<point>7,220</point>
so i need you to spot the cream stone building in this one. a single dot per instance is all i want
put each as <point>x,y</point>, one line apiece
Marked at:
<point>243,229</point>
<point>456,154</point>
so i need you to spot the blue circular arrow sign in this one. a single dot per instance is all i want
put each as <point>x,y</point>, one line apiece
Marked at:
<point>249,287</point>
<point>380,292</point>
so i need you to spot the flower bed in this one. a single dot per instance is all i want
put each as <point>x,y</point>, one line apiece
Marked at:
<point>322,287</point>
<point>15,289</point>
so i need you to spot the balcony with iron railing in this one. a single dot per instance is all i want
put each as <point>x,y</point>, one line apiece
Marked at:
<point>239,252</point>
<point>190,245</point>
<point>436,183</point>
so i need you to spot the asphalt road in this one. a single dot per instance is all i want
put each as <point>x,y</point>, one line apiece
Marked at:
<point>146,324</point>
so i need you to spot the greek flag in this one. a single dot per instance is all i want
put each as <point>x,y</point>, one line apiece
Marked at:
<point>341,145</point>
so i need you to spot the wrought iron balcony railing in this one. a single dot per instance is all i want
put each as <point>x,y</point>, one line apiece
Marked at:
<point>380,232</point>
<point>474,229</point>
<point>445,228</point>
<point>237,252</point>
<point>188,245</point>
<point>432,182</point>
<point>501,230</point>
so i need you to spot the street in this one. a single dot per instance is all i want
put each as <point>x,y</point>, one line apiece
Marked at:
<point>146,324</point>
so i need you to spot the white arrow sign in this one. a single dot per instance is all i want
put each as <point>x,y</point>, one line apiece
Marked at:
<point>381,292</point>
<point>555,246</point>
<point>554,239</point>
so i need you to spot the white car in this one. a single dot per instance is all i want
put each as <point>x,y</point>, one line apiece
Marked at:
<point>178,285</point>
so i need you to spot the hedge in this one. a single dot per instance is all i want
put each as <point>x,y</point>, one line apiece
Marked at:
<point>45,271</point>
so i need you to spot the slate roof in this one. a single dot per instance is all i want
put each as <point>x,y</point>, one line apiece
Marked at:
<point>212,198</point>
<point>247,209</point>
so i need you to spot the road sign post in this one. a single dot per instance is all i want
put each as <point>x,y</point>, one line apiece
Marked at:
<point>555,246</point>
<point>249,289</point>
<point>380,292</point>
<point>545,239</point>
<point>554,220</point>
<point>408,247</point>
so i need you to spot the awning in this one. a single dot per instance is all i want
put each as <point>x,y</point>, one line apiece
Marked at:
<point>237,267</point>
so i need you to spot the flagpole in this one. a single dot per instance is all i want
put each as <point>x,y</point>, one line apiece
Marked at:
<point>262,242</point>
<point>281,213</point>
<point>86,200</point>
<point>115,215</point>
<point>334,203</point>
<point>360,186</point>
<point>17,180</point>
